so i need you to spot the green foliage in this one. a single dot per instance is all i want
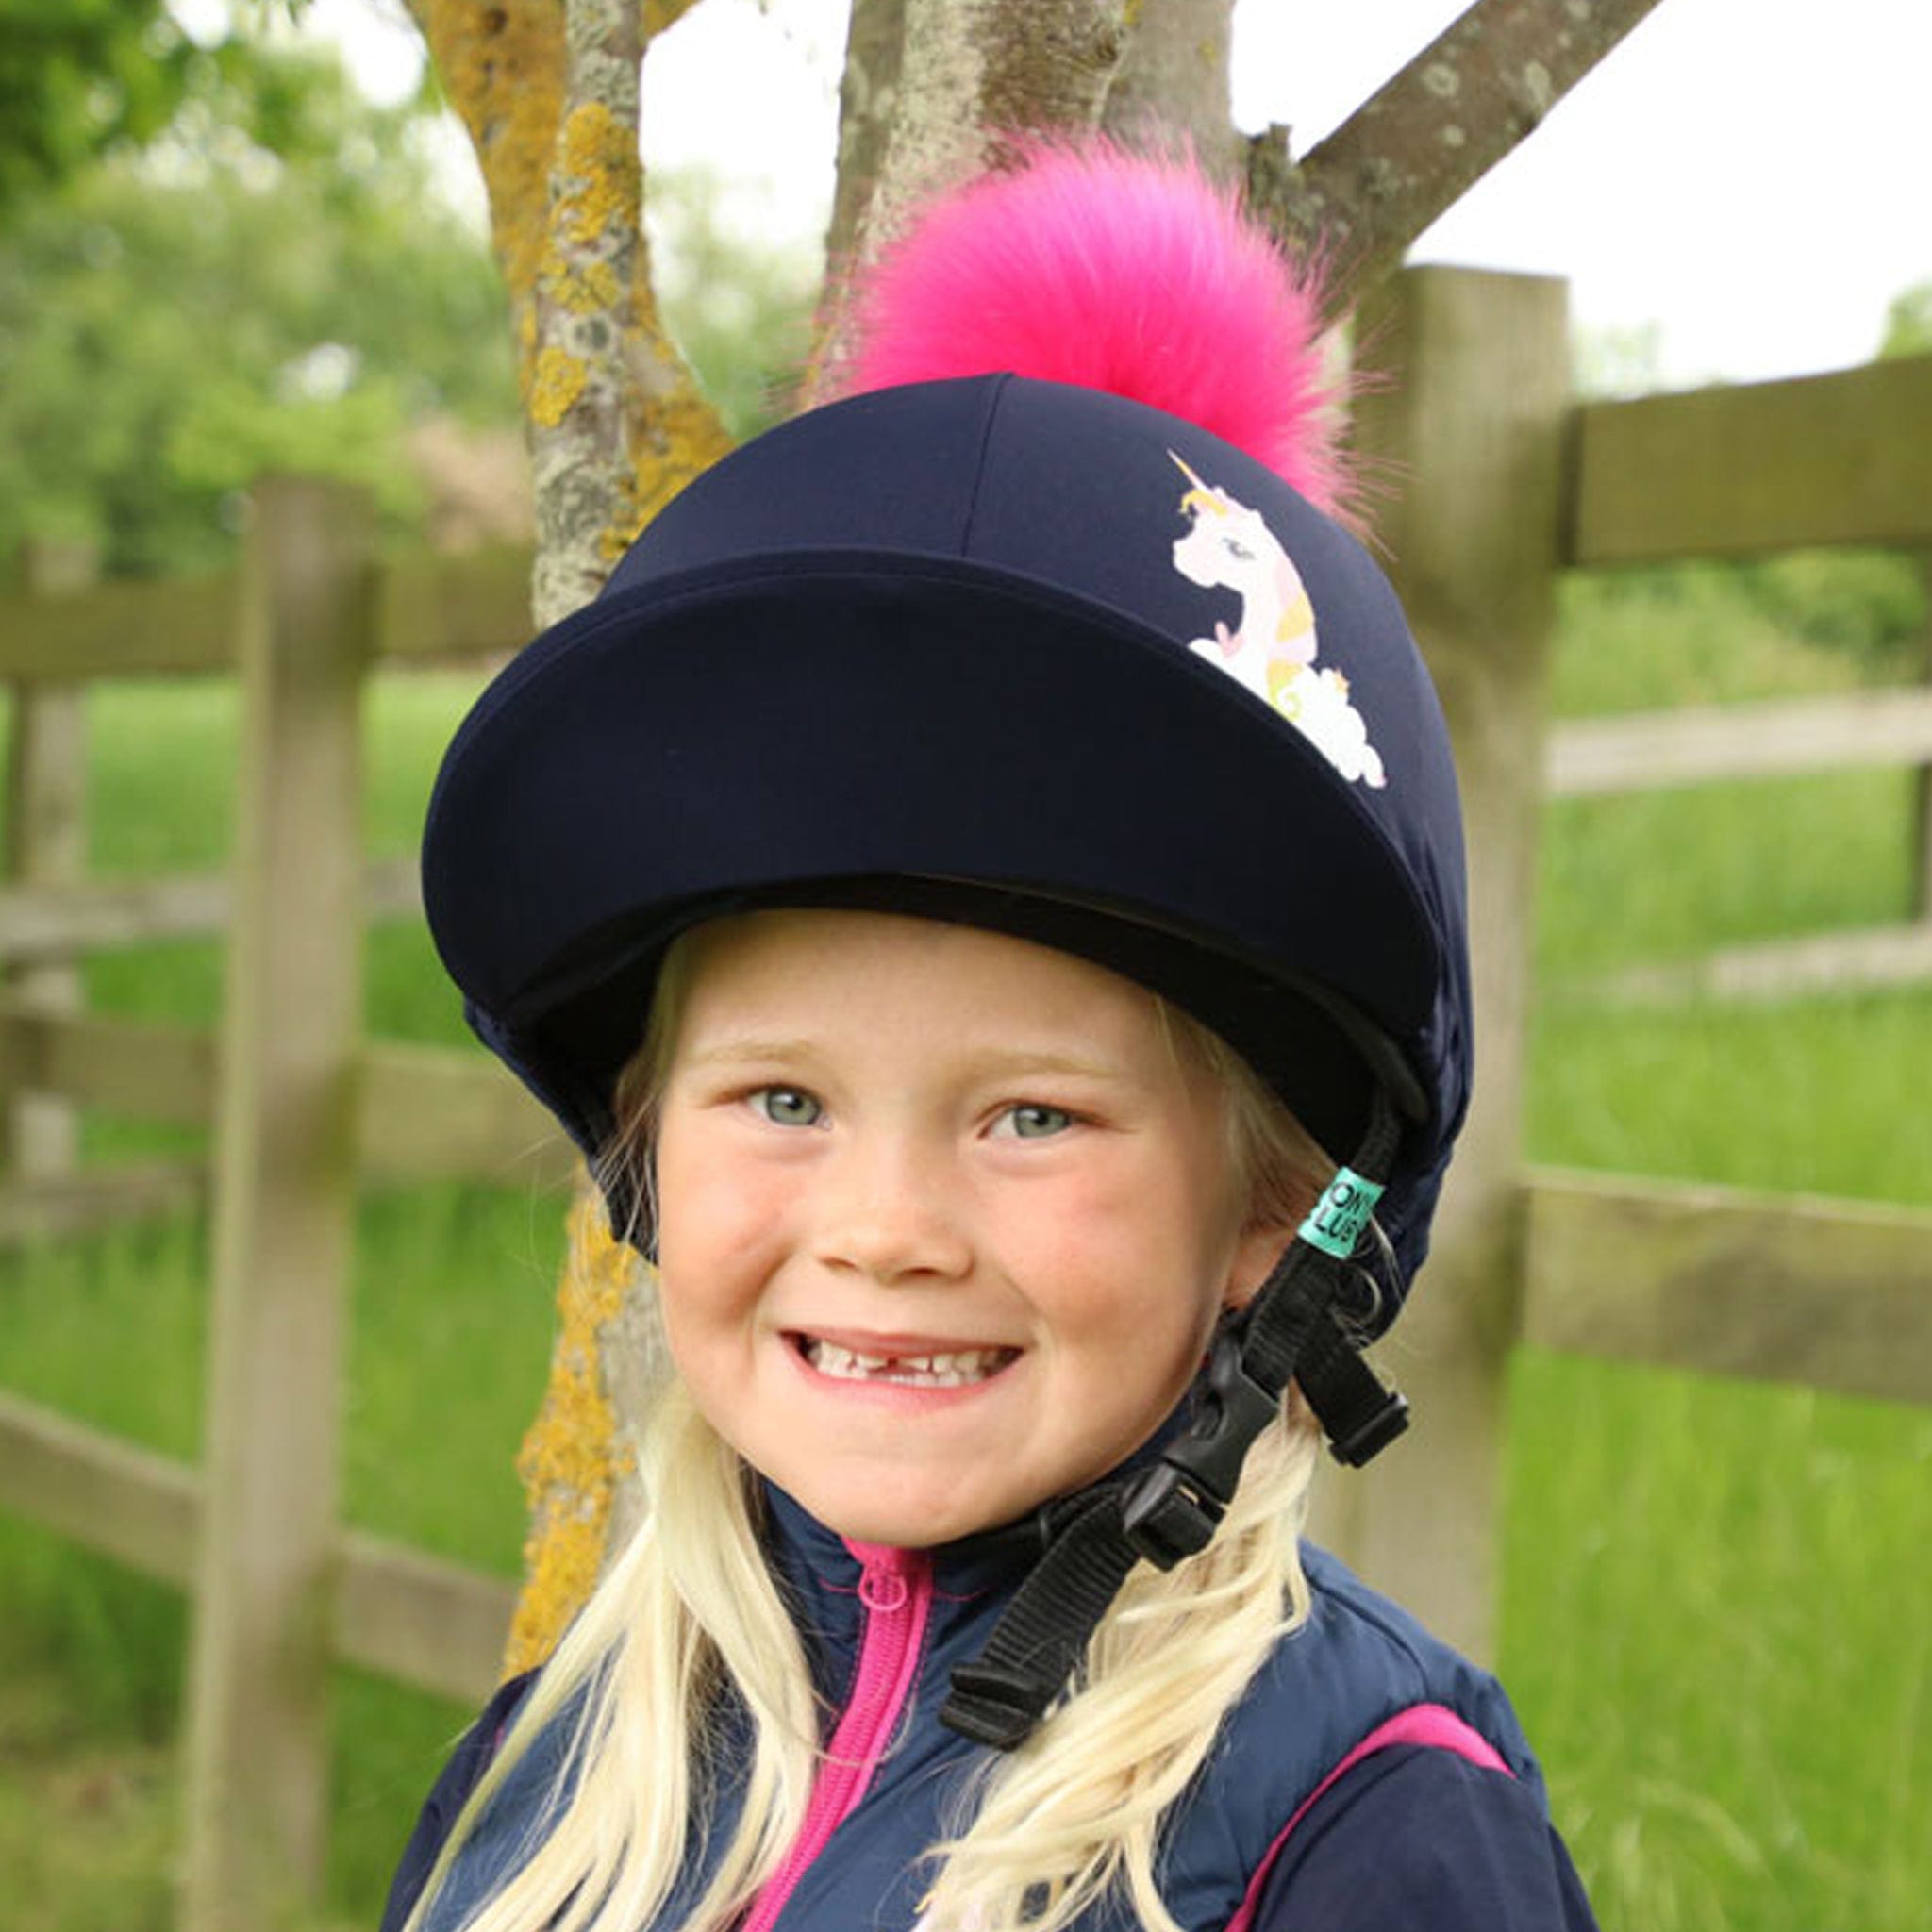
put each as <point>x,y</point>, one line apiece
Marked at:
<point>1909,323</point>
<point>1717,1622</point>
<point>1638,640</point>
<point>173,323</point>
<point>78,77</point>
<point>740,311</point>
<point>1738,630</point>
<point>1868,604</point>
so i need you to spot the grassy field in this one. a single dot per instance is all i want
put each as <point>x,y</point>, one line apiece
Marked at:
<point>1718,1607</point>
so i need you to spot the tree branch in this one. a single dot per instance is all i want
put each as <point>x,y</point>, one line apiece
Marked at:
<point>1408,154</point>
<point>868,98</point>
<point>963,77</point>
<point>1173,82</point>
<point>502,67</point>
<point>617,423</point>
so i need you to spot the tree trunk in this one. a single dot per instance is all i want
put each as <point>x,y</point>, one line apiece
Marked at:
<point>548,92</point>
<point>617,424</point>
<point>967,75</point>
<point>1174,81</point>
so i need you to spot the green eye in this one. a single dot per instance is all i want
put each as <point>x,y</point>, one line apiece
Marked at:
<point>1033,1121</point>
<point>787,1106</point>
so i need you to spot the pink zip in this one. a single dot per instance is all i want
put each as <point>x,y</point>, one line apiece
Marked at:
<point>895,1587</point>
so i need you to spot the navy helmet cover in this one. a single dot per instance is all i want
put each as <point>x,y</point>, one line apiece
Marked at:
<point>1011,651</point>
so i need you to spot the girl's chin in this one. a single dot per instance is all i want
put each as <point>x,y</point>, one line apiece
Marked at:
<point>907,1516</point>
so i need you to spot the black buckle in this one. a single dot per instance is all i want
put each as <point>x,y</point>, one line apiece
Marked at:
<point>1174,1508</point>
<point>1372,1431</point>
<point>997,1704</point>
<point>1360,1413</point>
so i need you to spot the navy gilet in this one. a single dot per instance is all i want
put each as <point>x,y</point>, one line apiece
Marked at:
<point>883,1628</point>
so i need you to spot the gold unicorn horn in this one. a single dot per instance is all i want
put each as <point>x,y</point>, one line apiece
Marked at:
<point>1201,497</point>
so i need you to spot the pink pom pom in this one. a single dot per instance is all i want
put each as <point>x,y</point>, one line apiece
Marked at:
<point>1089,265</point>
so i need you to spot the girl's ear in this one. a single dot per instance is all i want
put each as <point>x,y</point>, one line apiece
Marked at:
<point>1253,1261</point>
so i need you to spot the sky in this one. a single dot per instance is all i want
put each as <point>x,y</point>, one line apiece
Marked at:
<point>1751,188</point>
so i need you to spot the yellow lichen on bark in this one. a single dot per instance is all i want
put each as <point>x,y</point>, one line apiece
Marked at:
<point>681,439</point>
<point>572,1457</point>
<point>601,158</point>
<point>586,291</point>
<point>502,66</point>
<point>556,383</point>
<point>659,14</point>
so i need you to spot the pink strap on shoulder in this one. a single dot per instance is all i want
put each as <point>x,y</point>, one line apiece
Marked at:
<point>1421,1723</point>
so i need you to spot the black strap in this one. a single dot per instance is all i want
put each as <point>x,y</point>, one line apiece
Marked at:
<point>1359,1414</point>
<point>1037,1642</point>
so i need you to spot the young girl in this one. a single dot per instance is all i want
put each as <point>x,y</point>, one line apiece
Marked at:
<point>988,840</point>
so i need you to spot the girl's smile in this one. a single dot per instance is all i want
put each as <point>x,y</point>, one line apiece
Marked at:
<point>912,1362</point>
<point>944,1217</point>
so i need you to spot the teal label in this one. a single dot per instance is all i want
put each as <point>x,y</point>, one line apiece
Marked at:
<point>1341,1213</point>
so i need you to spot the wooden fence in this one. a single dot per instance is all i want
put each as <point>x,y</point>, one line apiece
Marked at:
<point>1508,483</point>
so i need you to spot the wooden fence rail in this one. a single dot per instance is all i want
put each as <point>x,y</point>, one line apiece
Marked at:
<point>427,1622</point>
<point>305,1110</point>
<point>63,921</point>
<point>424,609</point>
<point>1780,739</point>
<point>421,1112</point>
<point>1833,1295</point>
<point>1744,470</point>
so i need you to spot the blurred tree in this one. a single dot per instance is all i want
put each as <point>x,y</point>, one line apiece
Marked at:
<point>1909,323</point>
<point>273,281</point>
<point>78,77</point>
<point>740,315</point>
<point>1619,361</point>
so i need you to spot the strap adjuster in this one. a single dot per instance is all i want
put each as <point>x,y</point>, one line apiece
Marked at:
<point>1374,1431</point>
<point>998,1704</point>
<point>1360,1413</point>
<point>1174,1508</point>
<point>1166,1518</point>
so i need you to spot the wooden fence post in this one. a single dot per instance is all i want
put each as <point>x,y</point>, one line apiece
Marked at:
<point>1468,431</point>
<point>46,845</point>
<point>285,1173</point>
<point>1921,779</point>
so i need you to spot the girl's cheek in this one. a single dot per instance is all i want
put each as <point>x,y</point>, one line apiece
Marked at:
<point>721,1207</point>
<point>706,1202</point>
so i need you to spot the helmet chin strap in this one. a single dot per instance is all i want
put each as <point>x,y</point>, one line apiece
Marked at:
<point>1298,1325</point>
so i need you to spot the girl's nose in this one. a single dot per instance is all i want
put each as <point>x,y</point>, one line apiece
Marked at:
<point>886,1212</point>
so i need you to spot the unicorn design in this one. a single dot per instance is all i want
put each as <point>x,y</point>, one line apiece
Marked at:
<point>1272,650</point>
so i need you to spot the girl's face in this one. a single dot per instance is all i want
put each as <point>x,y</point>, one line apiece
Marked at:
<point>945,1219</point>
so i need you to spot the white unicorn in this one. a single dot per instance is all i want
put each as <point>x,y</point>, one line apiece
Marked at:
<point>1272,650</point>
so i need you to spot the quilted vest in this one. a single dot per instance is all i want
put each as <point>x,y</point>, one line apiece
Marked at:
<point>883,1627</point>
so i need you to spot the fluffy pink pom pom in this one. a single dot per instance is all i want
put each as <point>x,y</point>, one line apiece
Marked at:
<point>1089,265</point>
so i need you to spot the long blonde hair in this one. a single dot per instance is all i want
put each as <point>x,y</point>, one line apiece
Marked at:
<point>690,1606</point>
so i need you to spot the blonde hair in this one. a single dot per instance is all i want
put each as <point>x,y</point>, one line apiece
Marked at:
<point>690,1607</point>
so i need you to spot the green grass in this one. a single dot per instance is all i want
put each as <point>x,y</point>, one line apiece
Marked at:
<point>1717,1613</point>
<point>1718,1625</point>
